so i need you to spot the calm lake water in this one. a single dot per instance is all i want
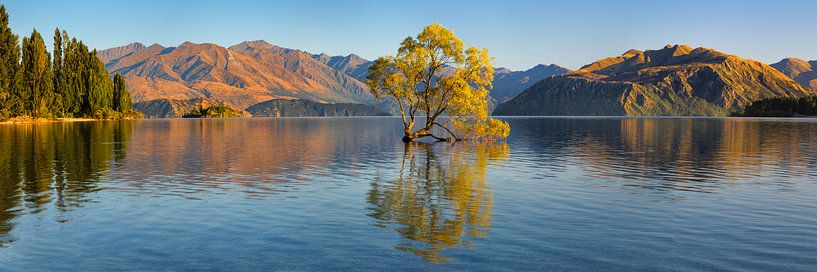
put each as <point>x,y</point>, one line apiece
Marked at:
<point>617,194</point>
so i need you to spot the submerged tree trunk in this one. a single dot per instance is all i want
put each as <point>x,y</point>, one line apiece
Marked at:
<point>410,136</point>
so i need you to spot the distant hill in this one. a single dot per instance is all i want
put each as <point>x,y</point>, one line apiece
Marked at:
<point>804,72</point>
<point>174,108</point>
<point>352,65</point>
<point>110,54</point>
<point>508,84</point>
<point>674,80</point>
<point>304,108</point>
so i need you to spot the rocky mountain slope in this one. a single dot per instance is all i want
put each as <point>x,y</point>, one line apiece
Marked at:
<point>304,108</point>
<point>243,74</point>
<point>675,80</point>
<point>804,72</point>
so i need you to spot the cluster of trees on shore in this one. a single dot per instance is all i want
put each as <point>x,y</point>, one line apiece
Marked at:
<point>72,83</point>
<point>217,111</point>
<point>782,107</point>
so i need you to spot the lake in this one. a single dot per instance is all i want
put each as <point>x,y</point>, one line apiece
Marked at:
<point>616,194</point>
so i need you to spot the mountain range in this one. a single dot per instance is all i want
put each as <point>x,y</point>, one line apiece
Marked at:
<point>674,80</point>
<point>254,72</point>
<point>243,74</point>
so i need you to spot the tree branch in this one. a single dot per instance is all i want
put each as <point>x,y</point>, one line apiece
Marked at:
<point>439,139</point>
<point>449,131</point>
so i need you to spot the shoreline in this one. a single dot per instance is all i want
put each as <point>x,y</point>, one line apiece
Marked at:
<point>29,120</point>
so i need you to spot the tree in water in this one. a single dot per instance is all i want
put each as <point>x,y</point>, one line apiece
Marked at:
<point>432,74</point>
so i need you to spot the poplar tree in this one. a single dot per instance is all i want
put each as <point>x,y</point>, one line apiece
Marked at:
<point>72,74</point>
<point>9,66</point>
<point>37,90</point>
<point>75,83</point>
<point>121,95</point>
<point>59,81</point>
<point>100,86</point>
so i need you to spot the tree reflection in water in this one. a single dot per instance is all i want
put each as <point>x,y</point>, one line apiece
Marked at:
<point>440,200</point>
<point>55,163</point>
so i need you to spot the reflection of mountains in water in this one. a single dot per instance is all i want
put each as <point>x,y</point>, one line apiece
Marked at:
<point>255,156</point>
<point>440,198</point>
<point>55,163</point>
<point>691,154</point>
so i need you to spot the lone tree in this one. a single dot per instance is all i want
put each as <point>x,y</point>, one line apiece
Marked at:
<point>433,75</point>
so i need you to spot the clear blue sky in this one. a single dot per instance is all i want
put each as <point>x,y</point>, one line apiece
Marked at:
<point>518,33</point>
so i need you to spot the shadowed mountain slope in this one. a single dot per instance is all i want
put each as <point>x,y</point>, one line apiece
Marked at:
<point>304,108</point>
<point>508,84</point>
<point>174,108</point>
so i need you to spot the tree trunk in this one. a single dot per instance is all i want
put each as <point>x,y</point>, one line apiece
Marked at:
<point>409,136</point>
<point>422,133</point>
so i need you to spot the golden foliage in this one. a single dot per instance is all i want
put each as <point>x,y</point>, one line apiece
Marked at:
<point>433,74</point>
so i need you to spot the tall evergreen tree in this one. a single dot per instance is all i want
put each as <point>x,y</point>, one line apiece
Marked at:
<point>100,86</point>
<point>121,95</point>
<point>36,79</point>
<point>9,65</point>
<point>73,75</point>
<point>76,74</point>
<point>59,80</point>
